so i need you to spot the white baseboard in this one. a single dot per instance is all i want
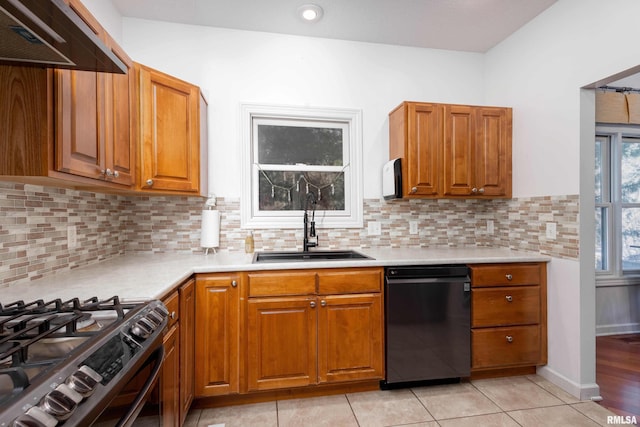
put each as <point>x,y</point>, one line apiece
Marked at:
<point>622,328</point>
<point>581,391</point>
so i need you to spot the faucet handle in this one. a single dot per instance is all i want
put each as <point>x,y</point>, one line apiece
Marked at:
<point>312,231</point>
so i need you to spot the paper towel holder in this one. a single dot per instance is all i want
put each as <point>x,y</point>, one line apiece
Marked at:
<point>209,205</point>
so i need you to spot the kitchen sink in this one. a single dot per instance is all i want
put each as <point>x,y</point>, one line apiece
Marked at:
<point>294,256</point>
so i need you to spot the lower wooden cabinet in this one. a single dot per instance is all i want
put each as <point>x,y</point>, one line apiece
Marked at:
<point>170,379</point>
<point>350,338</point>
<point>508,316</point>
<point>217,346</point>
<point>176,386</point>
<point>302,340</point>
<point>281,342</point>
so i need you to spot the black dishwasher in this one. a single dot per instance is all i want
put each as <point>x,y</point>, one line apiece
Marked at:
<point>427,324</point>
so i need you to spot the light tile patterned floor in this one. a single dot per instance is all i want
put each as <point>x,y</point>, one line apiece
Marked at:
<point>515,401</point>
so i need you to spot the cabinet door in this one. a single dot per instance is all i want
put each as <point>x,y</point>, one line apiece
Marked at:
<point>170,380</point>
<point>169,120</point>
<point>459,143</point>
<point>120,146</point>
<point>187,343</point>
<point>281,342</point>
<point>350,338</point>
<point>80,128</point>
<point>493,151</point>
<point>217,340</point>
<point>424,150</point>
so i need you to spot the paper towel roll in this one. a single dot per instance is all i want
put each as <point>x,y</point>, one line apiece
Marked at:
<point>210,233</point>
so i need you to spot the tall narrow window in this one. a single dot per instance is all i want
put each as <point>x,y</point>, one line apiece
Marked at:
<point>297,159</point>
<point>603,202</point>
<point>617,202</point>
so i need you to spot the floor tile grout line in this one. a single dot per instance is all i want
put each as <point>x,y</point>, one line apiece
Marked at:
<point>352,410</point>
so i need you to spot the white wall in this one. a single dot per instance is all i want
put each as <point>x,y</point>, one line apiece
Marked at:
<point>539,71</point>
<point>239,66</point>
<point>108,16</point>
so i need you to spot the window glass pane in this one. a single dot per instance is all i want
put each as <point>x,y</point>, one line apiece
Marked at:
<point>631,238</point>
<point>286,190</point>
<point>599,171</point>
<point>630,171</point>
<point>602,260</point>
<point>289,145</point>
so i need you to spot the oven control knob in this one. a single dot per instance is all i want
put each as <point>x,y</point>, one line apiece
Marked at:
<point>35,417</point>
<point>155,317</point>
<point>162,310</point>
<point>84,381</point>
<point>142,328</point>
<point>58,404</point>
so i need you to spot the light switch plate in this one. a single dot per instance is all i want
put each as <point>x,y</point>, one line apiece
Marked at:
<point>72,240</point>
<point>413,227</point>
<point>551,230</point>
<point>374,228</point>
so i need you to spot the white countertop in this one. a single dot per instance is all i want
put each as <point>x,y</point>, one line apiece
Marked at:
<point>150,276</point>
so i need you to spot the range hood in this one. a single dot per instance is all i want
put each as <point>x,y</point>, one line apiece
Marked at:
<point>48,33</point>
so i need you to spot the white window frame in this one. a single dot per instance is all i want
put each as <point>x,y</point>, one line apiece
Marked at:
<point>348,119</point>
<point>612,158</point>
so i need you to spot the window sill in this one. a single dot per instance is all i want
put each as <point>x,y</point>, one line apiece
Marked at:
<point>611,281</point>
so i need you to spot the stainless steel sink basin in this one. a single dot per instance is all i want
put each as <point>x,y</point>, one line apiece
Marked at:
<point>294,256</point>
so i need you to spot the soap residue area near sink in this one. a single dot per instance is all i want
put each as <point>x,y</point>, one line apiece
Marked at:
<point>297,256</point>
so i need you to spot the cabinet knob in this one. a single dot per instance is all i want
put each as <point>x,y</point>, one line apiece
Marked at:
<point>173,315</point>
<point>116,174</point>
<point>509,298</point>
<point>414,190</point>
<point>474,190</point>
<point>234,283</point>
<point>149,182</point>
<point>312,304</point>
<point>509,338</point>
<point>509,276</point>
<point>481,191</point>
<point>323,303</point>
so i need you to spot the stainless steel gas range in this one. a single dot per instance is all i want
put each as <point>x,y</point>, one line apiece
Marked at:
<point>78,363</point>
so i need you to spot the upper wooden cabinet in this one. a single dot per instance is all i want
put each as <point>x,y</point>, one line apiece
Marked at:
<point>71,127</point>
<point>452,150</point>
<point>172,152</point>
<point>93,122</point>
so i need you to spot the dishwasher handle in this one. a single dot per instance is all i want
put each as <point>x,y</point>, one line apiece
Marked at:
<point>426,280</point>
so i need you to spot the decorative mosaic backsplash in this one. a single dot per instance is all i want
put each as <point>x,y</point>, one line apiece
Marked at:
<point>34,222</point>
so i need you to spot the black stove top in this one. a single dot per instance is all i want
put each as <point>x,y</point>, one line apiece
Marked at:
<point>45,344</point>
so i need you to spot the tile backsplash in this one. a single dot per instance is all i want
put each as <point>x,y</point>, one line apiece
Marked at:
<point>35,222</point>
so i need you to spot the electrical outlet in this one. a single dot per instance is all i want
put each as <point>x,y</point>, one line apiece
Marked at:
<point>374,228</point>
<point>551,230</point>
<point>413,227</point>
<point>490,228</point>
<point>72,240</point>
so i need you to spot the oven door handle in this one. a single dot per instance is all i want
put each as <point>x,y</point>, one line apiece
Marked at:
<point>129,418</point>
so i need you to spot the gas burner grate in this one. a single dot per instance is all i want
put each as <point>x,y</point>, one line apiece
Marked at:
<point>23,324</point>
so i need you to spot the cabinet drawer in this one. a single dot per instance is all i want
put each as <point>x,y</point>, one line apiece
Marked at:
<point>173,305</point>
<point>504,274</point>
<point>349,282</point>
<point>503,347</point>
<point>276,283</point>
<point>505,306</point>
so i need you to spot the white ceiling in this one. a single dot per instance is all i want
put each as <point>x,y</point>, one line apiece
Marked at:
<point>464,25</point>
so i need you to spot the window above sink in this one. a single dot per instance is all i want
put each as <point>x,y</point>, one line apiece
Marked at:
<point>289,152</point>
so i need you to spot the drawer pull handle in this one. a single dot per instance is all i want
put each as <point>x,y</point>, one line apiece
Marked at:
<point>312,304</point>
<point>509,298</point>
<point>323,303</point>
<point>234,283</point>
<point>509,277</point>
<point>509,338</point>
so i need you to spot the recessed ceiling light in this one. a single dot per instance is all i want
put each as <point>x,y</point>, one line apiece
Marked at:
<point>310,12</point>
